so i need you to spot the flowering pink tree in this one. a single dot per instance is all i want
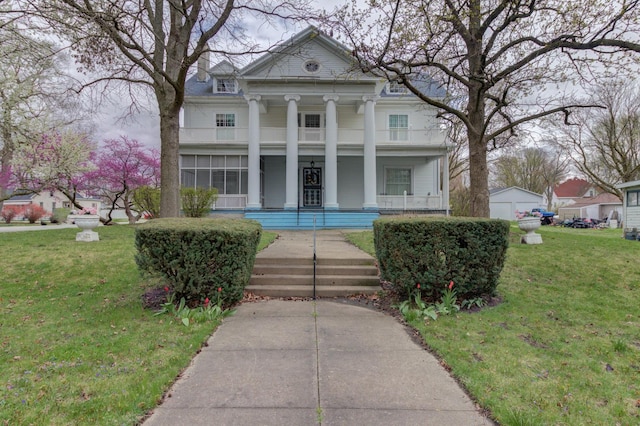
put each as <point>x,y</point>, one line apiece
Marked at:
<point>122,166</point>
<point>54,161</point>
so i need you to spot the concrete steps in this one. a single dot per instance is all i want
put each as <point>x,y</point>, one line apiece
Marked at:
<point>293,277</point>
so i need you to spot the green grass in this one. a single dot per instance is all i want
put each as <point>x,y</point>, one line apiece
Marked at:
<point>563,347</point>
<point>76,346</point>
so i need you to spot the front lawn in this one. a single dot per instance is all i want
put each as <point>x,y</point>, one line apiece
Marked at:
<point>77,347</point>
<point>563,346</point>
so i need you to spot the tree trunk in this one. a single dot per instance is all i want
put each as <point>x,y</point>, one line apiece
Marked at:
<point>169,156</point>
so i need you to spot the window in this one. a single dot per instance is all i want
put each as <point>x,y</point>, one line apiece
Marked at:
<point>225,127</point>
<point>396,88</point>
<point>227,173</point>
<point>397,180</point>
<point>225,85</point>
<point>633,198</point>
<point>312,66</point>
<point>311,125</point>
<point>398,127</point>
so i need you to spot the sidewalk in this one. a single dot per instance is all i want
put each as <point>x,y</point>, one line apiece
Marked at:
<point>35,227</point>
<point>306,363</point>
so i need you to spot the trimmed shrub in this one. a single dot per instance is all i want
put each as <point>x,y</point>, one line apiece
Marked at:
<point>198,256</point>
<point>434,251</point>
<point>196,202</point>
<point>9,213</point>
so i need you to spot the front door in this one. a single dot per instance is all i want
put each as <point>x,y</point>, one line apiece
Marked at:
<point>312,187</point>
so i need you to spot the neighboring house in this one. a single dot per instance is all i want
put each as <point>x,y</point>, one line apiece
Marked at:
<point>50,200</point>
<point>599,207</point>
<point>503,202</point>
<point>631,204</point>
<point>299,131</point>
<point>571,191</point>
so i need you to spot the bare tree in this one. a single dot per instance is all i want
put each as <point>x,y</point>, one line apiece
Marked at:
<point>154,43</point>
<point>509,60</point>
<point>32,85</point>
<point>605,143</point>
<point>534,169</point>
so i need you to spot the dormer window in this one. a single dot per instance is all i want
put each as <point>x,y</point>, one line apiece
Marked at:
<point>226,85</point>
<point>396,88</point>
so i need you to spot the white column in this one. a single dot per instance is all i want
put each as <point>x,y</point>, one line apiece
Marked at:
<point>253,172</point>
<point>370,198</point>
<point>331,154</point>
<point>291,192</point>
<point>445,181</point>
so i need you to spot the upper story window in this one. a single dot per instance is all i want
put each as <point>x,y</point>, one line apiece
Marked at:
<point>226,85</point>
<point>225,127</point>
<point>396,88</point>
<point>398,127</point>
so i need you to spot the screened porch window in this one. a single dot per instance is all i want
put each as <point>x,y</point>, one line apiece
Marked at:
<point>397,180</point>
<point>227,173</point>
<point>398,127</point>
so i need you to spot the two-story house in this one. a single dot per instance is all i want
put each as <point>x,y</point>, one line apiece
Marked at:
<point>300,132</point>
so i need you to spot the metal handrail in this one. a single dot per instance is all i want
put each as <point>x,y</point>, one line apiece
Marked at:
<point>315,259</point>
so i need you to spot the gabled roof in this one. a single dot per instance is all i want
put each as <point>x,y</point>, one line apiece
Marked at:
<point>22,197</point>
<point>262,68</point>
<point>499,190</point>
<point>600,199</point>
<point>304,36</point>
<point>628,184</point>
<point>572,188</point>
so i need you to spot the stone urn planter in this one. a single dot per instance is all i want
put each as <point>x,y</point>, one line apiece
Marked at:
<point>87,223</point>
<point>530,225</point>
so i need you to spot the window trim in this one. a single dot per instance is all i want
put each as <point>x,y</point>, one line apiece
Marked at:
<point>220,79</point>
<point>411,179</point>
<point>395,88</point>
<point>395,133</point>
<point>225,132</point>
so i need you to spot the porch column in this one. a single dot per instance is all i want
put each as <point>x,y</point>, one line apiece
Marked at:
<point>253,172</point>
<point>291,191</point>
<point>370,199</point>
<point>331,154</point>
<point>445,181</point>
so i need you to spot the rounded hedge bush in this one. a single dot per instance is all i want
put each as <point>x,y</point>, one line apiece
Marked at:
<point>200,256</point>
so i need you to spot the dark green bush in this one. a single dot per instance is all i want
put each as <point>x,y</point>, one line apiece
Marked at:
<point>59,214</point>
<point>200,255</point>
<point>434,251</point>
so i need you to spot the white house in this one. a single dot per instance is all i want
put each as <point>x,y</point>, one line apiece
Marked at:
<point>300,132</point>
<point>51,200</point>
<point>631,204</point>
<point>503,202</point>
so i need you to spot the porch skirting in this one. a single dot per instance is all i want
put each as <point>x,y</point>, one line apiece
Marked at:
<point>304,219</point>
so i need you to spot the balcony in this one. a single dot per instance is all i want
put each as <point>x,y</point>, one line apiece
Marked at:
<point>278,135</point>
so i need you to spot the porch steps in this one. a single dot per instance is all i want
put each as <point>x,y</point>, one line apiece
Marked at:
<point>293,277</point>
<point>303,219</point>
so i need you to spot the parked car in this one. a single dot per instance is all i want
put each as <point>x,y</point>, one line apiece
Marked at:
<point>546,217</point>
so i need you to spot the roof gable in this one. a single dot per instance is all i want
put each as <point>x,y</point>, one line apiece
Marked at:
<point>288,59</point>
<point>572,188</point>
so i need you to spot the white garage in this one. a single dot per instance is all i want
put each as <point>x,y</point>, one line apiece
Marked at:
<point>503,202</point>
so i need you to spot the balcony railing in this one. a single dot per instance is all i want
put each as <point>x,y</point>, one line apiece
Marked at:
<point>278,135</point>
<point>409,202</point>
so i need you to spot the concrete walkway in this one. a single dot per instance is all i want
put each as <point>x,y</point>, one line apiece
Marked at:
<point>305,363</point>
